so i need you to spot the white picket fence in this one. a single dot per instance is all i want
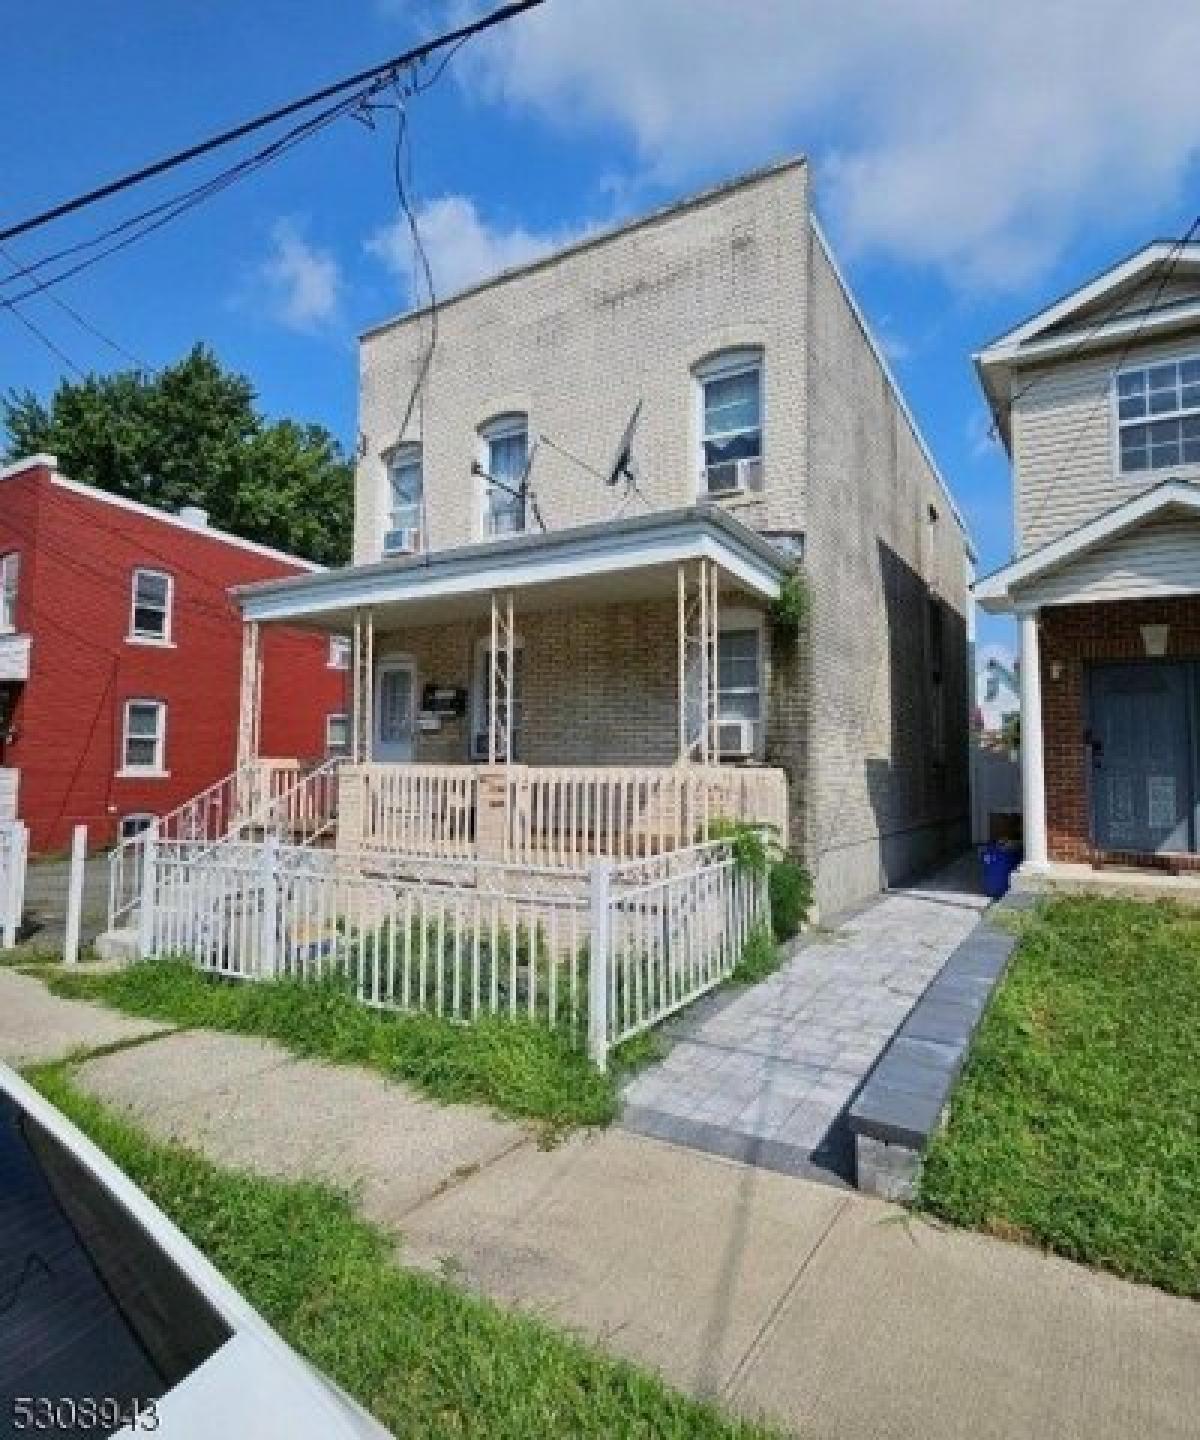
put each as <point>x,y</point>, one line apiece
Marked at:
<point>603,958</point>
<point>14,854</point>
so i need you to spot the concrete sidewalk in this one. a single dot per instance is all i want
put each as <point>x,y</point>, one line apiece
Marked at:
<point>829,1313</point>
<point>35,1026</point>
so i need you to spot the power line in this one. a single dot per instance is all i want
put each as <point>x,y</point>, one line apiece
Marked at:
<point>81,320</point>
<point>358,81</point>
<point>39,334</point>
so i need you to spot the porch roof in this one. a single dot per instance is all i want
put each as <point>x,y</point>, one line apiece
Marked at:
<point>613,561</point>
<point>1089,554</point>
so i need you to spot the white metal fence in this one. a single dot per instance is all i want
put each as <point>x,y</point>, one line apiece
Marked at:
<point>14,852</point>
<point>603,958</point>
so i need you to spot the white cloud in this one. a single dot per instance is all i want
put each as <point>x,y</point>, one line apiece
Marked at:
<point>302,284</point>
<point>461,245</point>
<point>978,138</point>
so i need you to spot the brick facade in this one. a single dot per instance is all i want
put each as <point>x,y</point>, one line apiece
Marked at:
<point>574,342</point>
<point>1070,637</point>
<point>78,551</point>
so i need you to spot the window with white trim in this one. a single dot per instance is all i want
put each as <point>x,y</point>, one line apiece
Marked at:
<point>405,499</point>
<point>1158,416</point>
<point>482,708</point>
<point>144,742</point>
<point>337,735</point>
<point>506,451</point>
<point>339,652</point>
<point>740,683</point>
<point>133,825</point>
<point>731,429</point>
<point>150,606</point>
<point>10,569</point>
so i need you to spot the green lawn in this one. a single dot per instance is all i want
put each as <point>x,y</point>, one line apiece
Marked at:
<point>518,1067</point>
<point>426,1359</point>
<point>1076,1122</point>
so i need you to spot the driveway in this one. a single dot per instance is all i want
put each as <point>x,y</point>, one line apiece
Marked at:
<point>44,924</point>
<point>765,1074</point>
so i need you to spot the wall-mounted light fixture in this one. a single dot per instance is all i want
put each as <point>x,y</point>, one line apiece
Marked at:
<point>1154,640</point>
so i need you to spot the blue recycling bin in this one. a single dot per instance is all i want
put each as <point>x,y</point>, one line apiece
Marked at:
<point>998,863</point>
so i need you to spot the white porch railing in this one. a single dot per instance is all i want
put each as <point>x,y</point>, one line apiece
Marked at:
<point>562,817</point>
<point>286,793</point>
<point>604,958</point>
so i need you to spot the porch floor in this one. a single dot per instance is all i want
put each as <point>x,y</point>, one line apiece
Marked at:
<point>765,1074</point>
<point>1059,878</point>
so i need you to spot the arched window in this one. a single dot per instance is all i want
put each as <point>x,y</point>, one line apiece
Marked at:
<point>505,441</point>
<point>730,404</point>
<point>406,501</point>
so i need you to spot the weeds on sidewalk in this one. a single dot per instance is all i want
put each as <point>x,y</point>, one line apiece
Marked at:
<point>426,1359</point>
<point>517,1066</point>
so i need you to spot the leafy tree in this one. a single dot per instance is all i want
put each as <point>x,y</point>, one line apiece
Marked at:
<point>191,435</point>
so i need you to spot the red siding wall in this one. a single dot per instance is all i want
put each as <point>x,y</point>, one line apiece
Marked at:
<point>78,554</point>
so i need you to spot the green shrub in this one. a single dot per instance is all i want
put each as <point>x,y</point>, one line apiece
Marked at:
<point>791,897</point>
<point>760,958</point>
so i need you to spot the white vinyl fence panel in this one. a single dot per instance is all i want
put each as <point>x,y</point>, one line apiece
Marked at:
<point>14,853</point>
<point>995,787</point>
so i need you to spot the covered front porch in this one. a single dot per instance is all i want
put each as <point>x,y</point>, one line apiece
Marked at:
<point>600,692</point>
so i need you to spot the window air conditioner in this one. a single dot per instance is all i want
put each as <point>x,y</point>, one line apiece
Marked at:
<point>733,477</point>
<point>735,738</point>
<point>406,541</point>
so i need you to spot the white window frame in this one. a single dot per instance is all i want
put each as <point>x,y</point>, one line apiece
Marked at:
<point>735,621</point>
<point>331,719</point>
<point>411,516</point>
<point>480,691</point>
<point>158,766</point>
<point>142,637</point>
<point>340,647</point>
<point>10,582</point>
<point>723,366</point>
<point>499,427</point>
<point>143,815</point>
<point>1183,412</point>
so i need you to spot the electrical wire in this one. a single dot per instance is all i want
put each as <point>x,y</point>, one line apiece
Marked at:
<point>355,82</point>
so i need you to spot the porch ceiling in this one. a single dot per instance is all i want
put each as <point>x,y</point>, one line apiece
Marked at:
<point>625,561</point>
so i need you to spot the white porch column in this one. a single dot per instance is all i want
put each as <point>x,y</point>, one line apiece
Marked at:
<point>250,697</point>
<point>1033,769</point>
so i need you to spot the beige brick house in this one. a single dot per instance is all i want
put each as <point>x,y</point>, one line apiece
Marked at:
<point>1097,398</point>
<point>581,653</point>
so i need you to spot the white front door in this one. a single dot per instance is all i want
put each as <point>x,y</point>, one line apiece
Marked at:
<point>394,685</point>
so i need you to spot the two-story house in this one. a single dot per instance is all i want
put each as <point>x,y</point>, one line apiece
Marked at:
<point>583,487</point>
<point>1097,399</point>
<point>120,660</point>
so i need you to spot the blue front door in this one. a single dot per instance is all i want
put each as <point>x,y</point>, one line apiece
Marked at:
<point>1141,731</point>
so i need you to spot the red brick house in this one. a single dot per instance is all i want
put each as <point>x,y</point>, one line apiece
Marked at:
<point>1097,399</point>
<point>120,658</point>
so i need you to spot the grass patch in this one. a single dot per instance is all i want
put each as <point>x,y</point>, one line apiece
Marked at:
<point>517,1066</point>
<point>1076,1123</point>
<point>424,1358</point>
<point>760,957</point>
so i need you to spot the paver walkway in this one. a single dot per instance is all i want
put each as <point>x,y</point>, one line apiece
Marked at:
<point>765,1074</point>
<point>832,1314</point>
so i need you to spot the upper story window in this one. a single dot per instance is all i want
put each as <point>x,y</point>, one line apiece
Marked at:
<point>339,652</point>
<point>10,568</point>
<point>406,484</point>
<point>1158,416</point>
<point>150,607</point>
<point>731,428</point>
<point>506,450</point>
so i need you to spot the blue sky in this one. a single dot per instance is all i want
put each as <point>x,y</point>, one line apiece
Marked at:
<point>971,164</point>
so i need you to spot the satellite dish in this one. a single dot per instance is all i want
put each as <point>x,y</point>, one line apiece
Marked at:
<point>622,465</point>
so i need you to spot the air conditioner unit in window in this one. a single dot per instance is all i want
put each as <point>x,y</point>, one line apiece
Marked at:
<point>406,541</point>
<point>735,737</point>
<point>733,477</point>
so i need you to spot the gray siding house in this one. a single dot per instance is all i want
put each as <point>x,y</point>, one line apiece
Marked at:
<point>584,638</point>
<point>1097,398</point>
